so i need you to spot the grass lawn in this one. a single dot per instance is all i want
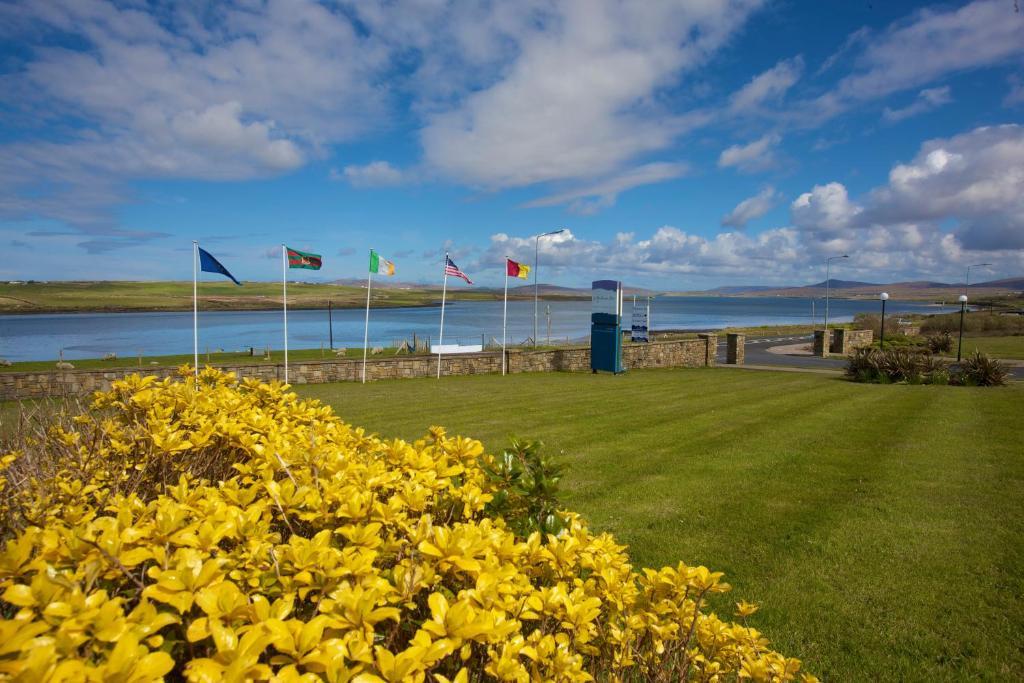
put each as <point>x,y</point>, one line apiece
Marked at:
<point>881,528</point>
<point>997,347</point>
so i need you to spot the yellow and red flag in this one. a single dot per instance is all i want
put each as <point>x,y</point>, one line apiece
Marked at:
<point>515,269</point>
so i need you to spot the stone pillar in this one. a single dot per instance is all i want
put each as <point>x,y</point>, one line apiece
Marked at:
<point>735,350</point>
<point>839,341</point>
<point>821,345</point>
<point>710,348</point>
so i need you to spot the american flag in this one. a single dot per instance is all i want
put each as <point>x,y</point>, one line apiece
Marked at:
<point>451,269</point>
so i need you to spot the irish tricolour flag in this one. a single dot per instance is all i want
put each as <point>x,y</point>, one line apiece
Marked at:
<point>302,259</point>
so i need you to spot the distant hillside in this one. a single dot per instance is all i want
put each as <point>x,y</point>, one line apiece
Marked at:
<point>841,284</point>
<point>740,289</point>
<point>921,290</point>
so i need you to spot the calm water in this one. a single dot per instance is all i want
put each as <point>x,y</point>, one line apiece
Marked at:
<point>91,335</point>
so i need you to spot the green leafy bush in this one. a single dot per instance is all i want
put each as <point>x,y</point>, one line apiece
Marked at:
<point>526,488</point>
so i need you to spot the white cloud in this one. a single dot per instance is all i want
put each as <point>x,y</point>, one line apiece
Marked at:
<point>592,198</point>
<point>826,210</point>
<point>903,251</point>
<point>579,101</point>
<point>975,179</point>
<point>767,86</point>
<point>755,156</point>
<point>373,174</point>
<point>224,92</point>
<point>219,127</point>
<point>973,182</point>
<point>930,45</point>
<point>935,43</point>
<point>751,208</point>
<point>927,100</point>
<point>509,93</point>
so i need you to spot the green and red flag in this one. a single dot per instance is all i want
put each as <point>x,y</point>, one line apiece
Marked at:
<point>302,259</point>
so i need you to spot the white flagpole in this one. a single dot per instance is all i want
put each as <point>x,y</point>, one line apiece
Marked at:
<point>504,319</point>
<point>444,293</point>
<point>284,297</point>
<point>195,305</point>
<point>366,327</point>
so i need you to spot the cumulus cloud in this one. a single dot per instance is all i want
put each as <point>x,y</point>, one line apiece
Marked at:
<point>668,252</point>
<point>768,86</point>
<point>973,181</point>
<point>782,255</point>
<point>927,100</point>
<point>373,174</point>
<point>755,156</point>
<point>826,209</point>
<point>751,208</point>
<point>592,198</point>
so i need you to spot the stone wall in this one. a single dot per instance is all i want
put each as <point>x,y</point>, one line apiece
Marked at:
<point>735,349</point>
<point>842,342</point>
<point>856,339</point>
<point>669,354</point>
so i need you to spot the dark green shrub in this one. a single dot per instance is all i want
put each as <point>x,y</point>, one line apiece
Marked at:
<point>978,370</point>
<point>939,343</point>
<point>527,482</point>
<point>897,364</point>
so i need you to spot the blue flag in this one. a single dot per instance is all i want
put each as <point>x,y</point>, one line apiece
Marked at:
<point>208,264</point>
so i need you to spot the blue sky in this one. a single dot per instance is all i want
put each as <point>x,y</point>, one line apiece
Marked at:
<point>683,145</point>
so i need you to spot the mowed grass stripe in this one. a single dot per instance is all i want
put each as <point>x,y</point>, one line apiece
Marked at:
<point>880,526</point>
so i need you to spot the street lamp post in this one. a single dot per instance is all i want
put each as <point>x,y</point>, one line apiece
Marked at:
<point>536,254</point>
<point>967,278</point>
<point>960,341</point>
<point>884,296</point>
<point>828,264</point>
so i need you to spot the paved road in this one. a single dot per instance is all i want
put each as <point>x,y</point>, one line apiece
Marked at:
<point>757,354</point>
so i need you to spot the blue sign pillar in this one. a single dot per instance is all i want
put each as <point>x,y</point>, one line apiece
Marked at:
<point>606,326</point>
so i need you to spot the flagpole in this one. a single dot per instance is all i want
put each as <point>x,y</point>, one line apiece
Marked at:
<point>195,305</point>
<point>444,293</point>
<point>284,297</point>
<point>504,319</point>
<point>366,327</point>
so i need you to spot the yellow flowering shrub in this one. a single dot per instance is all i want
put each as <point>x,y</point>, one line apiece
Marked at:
<point>218,530</point>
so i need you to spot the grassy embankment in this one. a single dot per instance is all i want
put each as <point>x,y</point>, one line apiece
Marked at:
<point>880,527</point>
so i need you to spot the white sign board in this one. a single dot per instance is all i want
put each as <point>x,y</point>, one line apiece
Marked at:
<point>641,322</point>
<point>447,349</point>
<point>606,297</point>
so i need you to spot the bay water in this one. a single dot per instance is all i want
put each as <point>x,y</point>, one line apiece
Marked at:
<point>92,335</point>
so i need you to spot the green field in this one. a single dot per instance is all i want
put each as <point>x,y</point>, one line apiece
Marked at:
<point>880,527</point>
<point>996,347</point>
<point>42,297</point>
